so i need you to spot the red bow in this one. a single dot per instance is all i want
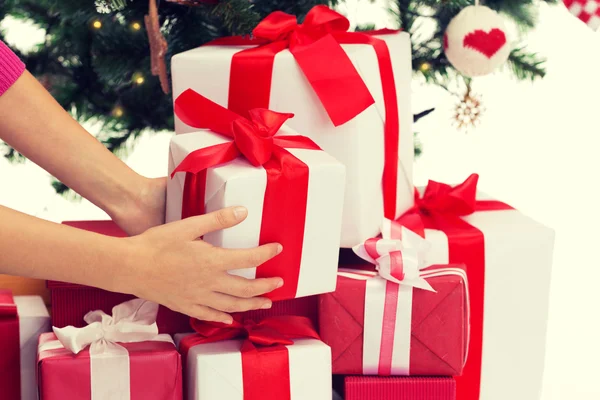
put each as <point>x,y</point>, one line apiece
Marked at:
<point>265,361</point>
<point>327,67</point>
<point>320,21</point>
<point>253,138</point>
<point>442,198</point>
<point>268,332</point>
<point>316,47</point>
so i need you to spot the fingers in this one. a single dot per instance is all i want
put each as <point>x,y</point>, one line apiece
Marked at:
<point>232,304</point>
<point>247,288</point>
<point>194,227</point>
<point>221,219</point>
<point>250,258</point>
<point>205,313</point>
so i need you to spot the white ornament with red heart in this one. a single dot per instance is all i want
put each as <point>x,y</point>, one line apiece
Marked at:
<point>476,42</point>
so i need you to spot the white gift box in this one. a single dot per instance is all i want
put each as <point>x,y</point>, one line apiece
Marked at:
<point>238,183</point>
<point>214,370</point>
<point>33,321</point>
<point>518,264</point>
<point>358,144</point>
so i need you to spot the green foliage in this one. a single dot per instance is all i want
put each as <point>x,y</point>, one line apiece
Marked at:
<point>92,72</point>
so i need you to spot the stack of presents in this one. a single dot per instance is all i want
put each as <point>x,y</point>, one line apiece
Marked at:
<point>391,291</point>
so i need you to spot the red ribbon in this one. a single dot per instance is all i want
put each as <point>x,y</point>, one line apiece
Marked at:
<point>287,177</point>
<point>441,207</point>
<point>315,45</point>
<point>265,361</point>
<point>10,348</point>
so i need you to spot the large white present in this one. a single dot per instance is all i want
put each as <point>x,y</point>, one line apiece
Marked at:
<point>316,83</point>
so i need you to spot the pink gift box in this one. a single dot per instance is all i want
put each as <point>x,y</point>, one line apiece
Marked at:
<point>154,369</point>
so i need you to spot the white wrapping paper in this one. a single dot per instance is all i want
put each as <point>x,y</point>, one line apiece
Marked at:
<point>239,183</point>
<point>358,144</point>
<point>214,370</point>
<point>518,263</point>
<point>33,321</point>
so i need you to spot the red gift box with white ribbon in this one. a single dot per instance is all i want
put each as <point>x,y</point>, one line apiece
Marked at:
<point>119,356</point>
<point>403,318</point>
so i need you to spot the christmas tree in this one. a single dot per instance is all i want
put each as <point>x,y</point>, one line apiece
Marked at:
<point>96,59</point>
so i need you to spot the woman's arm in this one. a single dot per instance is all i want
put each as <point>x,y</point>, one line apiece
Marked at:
<point>166,264</point>
<point>37,126</point>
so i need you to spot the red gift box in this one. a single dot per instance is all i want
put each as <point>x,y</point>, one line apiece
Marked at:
<point>154,372</point>
<point>70,302</point>
<point>438,328</point>
<point>399,388</point>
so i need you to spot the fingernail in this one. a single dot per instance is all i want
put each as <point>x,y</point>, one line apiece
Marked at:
<point>240,212</point>
<point>279,248</point>
<point>228,321</point>
<point>267,306</point>
<point>280,283</point>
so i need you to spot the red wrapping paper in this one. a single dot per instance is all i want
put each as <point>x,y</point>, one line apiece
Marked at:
<point>439,326</point>
<point>10,349</point>
<point>70,302</point>
<point>399,388</point>
<point>155,372</point>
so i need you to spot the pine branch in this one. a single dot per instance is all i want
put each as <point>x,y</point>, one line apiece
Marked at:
<point>526,66</point>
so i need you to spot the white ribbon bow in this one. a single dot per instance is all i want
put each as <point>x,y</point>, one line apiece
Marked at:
<point>132,321</point>
<point>398,256</point>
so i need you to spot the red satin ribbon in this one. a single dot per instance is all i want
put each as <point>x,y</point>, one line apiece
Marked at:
<point>441,207</point>
<point>265,361</point>
<point>315,45</point>
<point>10,349</point>
<point>287,177</point>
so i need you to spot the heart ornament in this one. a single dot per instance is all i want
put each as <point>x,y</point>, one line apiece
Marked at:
<point>475,41</point>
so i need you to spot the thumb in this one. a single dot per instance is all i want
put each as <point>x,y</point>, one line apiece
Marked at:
<point>194,227</point>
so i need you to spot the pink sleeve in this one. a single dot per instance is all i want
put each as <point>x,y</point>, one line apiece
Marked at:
<point>11,68</point>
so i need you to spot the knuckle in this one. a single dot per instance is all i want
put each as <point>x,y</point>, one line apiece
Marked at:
<point>256,258</point>
<point>221,218</point>
<point>248,290</point>
<point>231,307</point>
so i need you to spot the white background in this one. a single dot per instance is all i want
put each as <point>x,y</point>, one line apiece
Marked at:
<point>537,149</point>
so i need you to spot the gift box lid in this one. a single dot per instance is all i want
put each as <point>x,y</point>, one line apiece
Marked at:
<point>108,228</point>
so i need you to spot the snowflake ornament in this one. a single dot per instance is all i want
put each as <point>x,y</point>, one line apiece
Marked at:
<point>469,111</point>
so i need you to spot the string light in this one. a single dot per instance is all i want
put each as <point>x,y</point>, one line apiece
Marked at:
<point>118,111</point>
<point>138,78</point>
<point>136,26</point>
<point>425,67</point>
<point>97,24</point>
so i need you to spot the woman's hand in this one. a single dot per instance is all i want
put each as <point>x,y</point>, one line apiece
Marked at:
<point>168,265</point>
<point>143,209</point>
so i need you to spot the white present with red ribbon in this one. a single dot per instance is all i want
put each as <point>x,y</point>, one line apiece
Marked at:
<point>350,92</point>
<point>22,320</point>
<point>279,358</point>
<point>118,357</point>
<point>293,191</point>
<point>508,257</point>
